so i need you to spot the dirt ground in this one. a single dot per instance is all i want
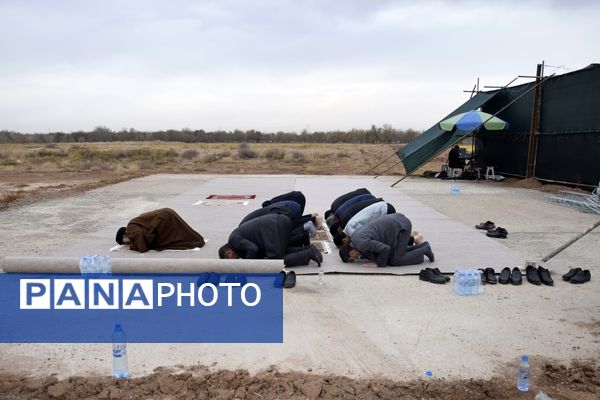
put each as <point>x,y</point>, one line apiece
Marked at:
<point>580,380</point>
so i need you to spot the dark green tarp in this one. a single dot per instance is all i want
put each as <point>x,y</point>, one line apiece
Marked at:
<point>434,140</point>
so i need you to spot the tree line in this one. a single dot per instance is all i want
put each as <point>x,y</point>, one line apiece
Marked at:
<point>383,134</point>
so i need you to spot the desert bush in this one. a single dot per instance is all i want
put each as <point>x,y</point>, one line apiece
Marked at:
<point>245,152</point>
<point>343,154</point>
<point>275,154</point>
<point>298,156</point>
<point>189,154</point>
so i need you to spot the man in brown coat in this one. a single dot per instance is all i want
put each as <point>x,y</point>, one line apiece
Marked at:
<point>160,229</point>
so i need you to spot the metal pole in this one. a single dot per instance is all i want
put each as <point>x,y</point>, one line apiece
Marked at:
<point>461,138</point>
<point>570,242</point>
<point>380,163</point>
<point>377,176</point>
<point>535,118</point>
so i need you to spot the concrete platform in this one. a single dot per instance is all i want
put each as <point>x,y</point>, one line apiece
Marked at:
<point>456,245</point>
<point>392,326</point>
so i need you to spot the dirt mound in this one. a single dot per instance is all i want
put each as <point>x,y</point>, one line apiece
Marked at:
<point>580,380</point>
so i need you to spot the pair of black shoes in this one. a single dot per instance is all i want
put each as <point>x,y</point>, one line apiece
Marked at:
<point>433,275</point>
<point>539,275</point>
<point>577,275</point>
<point>507,276</point>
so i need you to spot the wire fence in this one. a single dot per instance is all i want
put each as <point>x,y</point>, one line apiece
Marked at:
<point>588,203</point>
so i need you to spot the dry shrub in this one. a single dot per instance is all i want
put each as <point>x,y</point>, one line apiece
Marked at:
<point>245,152</point>
<point>189,154</point>
<point>275,154</point>
<point>8,198</point>
<point>298,156</point>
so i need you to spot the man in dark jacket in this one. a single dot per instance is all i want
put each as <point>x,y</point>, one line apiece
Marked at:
<point>268,236</point>
<point>160,229</point>
<point>385,241</point>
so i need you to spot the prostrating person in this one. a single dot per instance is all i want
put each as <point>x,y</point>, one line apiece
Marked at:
<point>385,241</point>
<point>161,229</point>
<point>268,237</point>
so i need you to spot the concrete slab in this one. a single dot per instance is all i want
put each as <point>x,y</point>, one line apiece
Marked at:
<point>456,245</point>
<point>392,326</point>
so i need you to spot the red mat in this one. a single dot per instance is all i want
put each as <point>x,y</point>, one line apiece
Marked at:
<point>231,196</point>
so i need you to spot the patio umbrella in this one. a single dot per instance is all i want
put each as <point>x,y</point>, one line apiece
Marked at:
<point>471,120</point>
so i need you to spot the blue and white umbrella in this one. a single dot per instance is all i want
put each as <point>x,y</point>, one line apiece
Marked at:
<point>471,120</point>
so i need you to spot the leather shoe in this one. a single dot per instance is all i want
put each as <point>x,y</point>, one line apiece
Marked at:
<point>504,277</point>
<point>486,226</point>
<point>532,275</point>
<point>430,275</point>
<point>572,272</point>
<point>545,276</point>
<point>581,277</point>
<point>490,276</point>
<point>437,271</point>
<point>499,233</point>
<point>516,278</point>
<point>316,255</point>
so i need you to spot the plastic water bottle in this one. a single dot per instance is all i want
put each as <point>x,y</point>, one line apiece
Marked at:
<point>523,378</point>
<point>105,265</point>
<point>119,350</point>
<point>95,265</point>
<point>479,283</point>
<point>321,280</point>
<point>455,189</point>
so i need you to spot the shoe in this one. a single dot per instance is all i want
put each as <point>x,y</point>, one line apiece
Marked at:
<point>290,280</point>
<point>315,255</point>
<point>545,276</point>
<point>516,278</point>
<point>486,226</point>
<point>483,282</point>
<point>279,280</point>
<point>532,275</point>
<point>490,276</point>
<point>437,271</point>
<point>581,277</point>
<point>427,251</point>
<point>504,277</point>
<point>430,275</point>
<point>499,233</point>
<point>572,272</point>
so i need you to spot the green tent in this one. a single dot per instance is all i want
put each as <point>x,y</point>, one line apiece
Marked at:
<point>434,140</point>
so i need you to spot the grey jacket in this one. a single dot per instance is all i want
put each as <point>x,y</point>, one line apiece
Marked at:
<point>384,240</point>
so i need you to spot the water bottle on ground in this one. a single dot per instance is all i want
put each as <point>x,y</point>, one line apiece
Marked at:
<point>119,350</point>
<point>523,378</point>
<point>84,264</point>
<point>321,280</point>
<point>105,265</point>
<point>455,189</point>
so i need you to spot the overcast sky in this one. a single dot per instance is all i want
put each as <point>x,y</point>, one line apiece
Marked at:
<point>272,65</point>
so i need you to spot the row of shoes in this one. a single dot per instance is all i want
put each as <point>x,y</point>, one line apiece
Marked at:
<point>493,230</point>
<point>577,275</point>
<point>433,275</point>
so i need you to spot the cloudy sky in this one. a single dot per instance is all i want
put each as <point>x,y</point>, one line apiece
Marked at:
<point>272,64</point>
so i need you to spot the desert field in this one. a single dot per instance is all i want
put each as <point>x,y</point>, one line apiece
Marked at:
<point>34,171</point>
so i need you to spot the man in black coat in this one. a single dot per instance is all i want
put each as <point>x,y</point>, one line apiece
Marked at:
<point>268,236</point>
<point>385,241</point>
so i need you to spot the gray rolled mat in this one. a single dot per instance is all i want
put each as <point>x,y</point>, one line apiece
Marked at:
<point>70,265</point>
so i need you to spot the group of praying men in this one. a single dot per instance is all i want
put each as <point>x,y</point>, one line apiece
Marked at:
<point>363,227</point>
